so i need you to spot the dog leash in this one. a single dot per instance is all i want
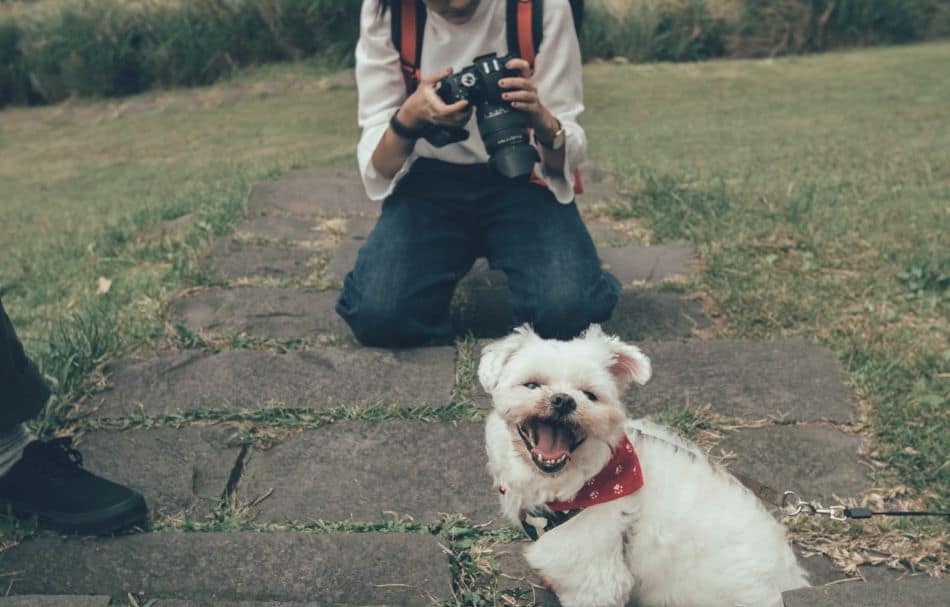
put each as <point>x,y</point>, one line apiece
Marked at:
<point>791,504</point>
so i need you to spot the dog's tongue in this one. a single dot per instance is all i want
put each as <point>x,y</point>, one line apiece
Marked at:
<point>553,441</point>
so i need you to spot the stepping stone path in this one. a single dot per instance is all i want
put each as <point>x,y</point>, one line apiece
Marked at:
<point>359,462</point>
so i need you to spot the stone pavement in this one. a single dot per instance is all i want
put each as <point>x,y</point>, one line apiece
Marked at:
<point>286,466</point>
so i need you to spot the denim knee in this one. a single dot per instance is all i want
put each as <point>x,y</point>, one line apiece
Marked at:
<point>375,321</point>
<point>565,313</point>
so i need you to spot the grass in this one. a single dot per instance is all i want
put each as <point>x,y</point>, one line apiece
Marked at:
<point>815,190</point>
<point>811,222</point>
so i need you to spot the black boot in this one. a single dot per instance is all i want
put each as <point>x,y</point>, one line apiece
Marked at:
<point>49,482</point>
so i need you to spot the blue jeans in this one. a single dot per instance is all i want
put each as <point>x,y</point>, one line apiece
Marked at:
<point>438,221</point>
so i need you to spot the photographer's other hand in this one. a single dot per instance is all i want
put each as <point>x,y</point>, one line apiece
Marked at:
<point>425,107</point>
<point>522,93</point>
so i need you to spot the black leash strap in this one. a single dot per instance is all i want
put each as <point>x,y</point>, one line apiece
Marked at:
<point>792,505</point>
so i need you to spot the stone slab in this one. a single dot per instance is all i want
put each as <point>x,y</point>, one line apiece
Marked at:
<point>600,187</point>
<point>173,382</point>
<point>917,591</point>
<point>636,264</point>
<point>649,315</point>
<point>788,378</point>
<point>604,233</point>
<point>178,470</point>
<point>39,600</point>
<point>261,312</point>
<point>817,462</point>
<point>237,259</point>
<point>344,253</point>
<point>365,569</point>
<point>312,194</point>
<point>279,227</point>
<point>481,307</point>
<point>371,471</point>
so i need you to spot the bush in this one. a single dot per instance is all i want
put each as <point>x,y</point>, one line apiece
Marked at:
<point>114,47</point>
<point>110,48</point>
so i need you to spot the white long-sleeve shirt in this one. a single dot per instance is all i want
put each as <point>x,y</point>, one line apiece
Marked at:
<point>557,75</point>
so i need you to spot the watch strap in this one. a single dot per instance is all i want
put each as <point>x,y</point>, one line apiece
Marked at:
<point>403,130</point>
<point>557,142</point>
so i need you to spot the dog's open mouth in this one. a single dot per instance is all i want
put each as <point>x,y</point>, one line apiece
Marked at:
<point>550,441</point>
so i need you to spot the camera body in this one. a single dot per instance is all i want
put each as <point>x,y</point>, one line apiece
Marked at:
<point>503,129</point>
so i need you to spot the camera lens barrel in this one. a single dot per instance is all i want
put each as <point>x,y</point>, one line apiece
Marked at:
<point>503,128</point>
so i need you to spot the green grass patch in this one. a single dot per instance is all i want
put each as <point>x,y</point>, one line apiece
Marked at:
<point>817,200</point>
<point>262,427</point>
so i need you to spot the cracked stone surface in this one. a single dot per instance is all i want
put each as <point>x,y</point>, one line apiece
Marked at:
<point>370,471</point>
<point>173,382</point>
<point>279,227</point>
<point>344,254</point>
<point>359,569</point>
<point>605,233</point>
<point>261,312</point>
<point>919,590</point>
<point>481,307</point>
<point>636,264</point>
<point>236,259</point>
<point>814,461</point>
<point>178,470</point>
<point>787,378</point>
<point>646,315</point>
<point>600,187</point>
<point>312,193</point>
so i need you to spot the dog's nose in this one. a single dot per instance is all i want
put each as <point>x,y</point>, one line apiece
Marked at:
<point>563,404</point>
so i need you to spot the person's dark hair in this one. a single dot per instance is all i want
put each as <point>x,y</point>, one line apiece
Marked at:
<point>383,5</point>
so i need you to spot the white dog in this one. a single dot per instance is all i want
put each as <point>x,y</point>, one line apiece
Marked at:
<point>620,508</point>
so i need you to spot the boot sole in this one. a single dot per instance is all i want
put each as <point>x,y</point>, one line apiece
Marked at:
<point>105,521</point>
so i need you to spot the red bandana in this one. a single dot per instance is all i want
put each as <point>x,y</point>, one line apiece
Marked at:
<point>620,477</point>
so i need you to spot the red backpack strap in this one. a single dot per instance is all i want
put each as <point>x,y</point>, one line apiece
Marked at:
<point>408,24</point>
<point>525,28</point>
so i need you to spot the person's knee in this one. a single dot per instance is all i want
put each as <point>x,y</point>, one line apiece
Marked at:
<point>375,320</point>
<point>565,313</point>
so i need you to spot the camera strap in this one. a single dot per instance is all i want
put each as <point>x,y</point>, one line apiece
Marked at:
<point>407,26</point>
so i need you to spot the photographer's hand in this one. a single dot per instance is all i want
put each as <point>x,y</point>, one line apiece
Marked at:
<point>522,93</point>
<point>424,107</point>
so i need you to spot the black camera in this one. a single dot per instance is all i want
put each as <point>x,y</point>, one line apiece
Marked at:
<point>504,130</point>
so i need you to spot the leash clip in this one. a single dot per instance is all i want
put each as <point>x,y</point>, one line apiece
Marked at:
<point>793,505</point>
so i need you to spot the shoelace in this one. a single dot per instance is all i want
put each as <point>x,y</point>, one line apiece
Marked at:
<point>58,455</point>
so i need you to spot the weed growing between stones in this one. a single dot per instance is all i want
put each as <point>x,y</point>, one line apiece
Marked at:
<point>180,336</point>
<point>262,427</point>
<point>466,371</point>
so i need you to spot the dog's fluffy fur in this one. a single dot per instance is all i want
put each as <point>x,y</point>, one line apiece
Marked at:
<point>692,536</point>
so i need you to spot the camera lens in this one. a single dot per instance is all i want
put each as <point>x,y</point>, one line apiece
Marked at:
<point>505,134</point>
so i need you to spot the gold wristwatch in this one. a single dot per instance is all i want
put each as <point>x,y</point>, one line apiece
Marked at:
<point>558,141</point>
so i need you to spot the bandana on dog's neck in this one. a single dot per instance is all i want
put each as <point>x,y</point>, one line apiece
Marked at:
<point>621,476</point>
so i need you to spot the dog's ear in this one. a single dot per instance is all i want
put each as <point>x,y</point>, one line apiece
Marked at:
<point>497,354</point>
<point>627,363</point>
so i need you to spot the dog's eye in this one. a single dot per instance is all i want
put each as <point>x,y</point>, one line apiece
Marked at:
<point>590,395</point>
<point>531,385</point>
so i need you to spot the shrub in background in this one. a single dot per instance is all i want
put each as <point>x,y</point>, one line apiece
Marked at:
<point>118,47</point>
<point>109,47</point>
